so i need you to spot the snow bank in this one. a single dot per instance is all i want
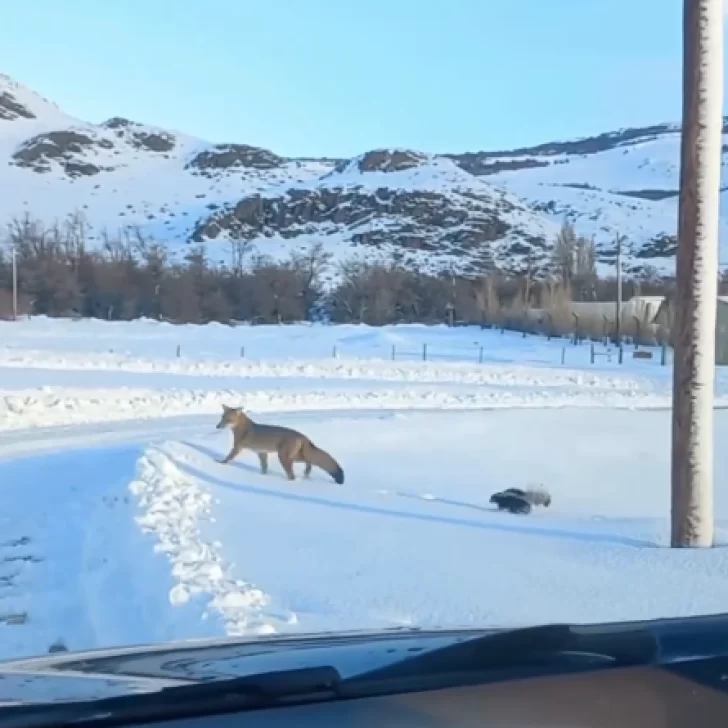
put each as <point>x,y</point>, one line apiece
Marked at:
<point>33,408</point>
<point>332,369</point>
<point>173,507</point>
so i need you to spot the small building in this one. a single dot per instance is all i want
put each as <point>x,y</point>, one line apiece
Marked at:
<point>642,308</point>
<point>637,316</point>
<point>721,332</point>
<point>665,317</point>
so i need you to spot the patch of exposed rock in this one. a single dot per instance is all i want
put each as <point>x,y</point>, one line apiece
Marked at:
<point>463,225</point>
<point>652,195</point>
<point>485,163</point>
<point>67,148</point>
<point>223,157</point>
<point>382,160</point>
<point>389,160</point>
<point>140,137</point>
<point>481,164</point>
<point>11,108</point>
<point>662,246</point>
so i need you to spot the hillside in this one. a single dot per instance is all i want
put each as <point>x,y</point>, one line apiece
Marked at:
<point>465,212</point>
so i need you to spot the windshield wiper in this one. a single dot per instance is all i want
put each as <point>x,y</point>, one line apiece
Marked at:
<point>520,652</point>
<point>249,692</point>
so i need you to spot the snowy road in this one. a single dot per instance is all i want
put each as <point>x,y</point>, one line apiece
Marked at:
<point>73,562</point>
<point>119,527</point>
<point>408,540</point>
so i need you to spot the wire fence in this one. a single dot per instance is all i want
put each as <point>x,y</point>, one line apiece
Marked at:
<point>536,351</point>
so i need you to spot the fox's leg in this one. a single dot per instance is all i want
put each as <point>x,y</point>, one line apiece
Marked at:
<point>263,457</point>
<point>232,454</point>
<point>286,463</point>
<point>307,471</point>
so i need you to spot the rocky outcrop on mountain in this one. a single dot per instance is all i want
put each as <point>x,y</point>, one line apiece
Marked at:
<point>662,246</point>
<point>385,160</point>
<point>11,108</point>
<point>477,231</point>
<point>653,195</point>
<point>140,137</point>
<point>544,155</point>
<point>67,148</point>
<point>479,163</point>
<point>232,156</point>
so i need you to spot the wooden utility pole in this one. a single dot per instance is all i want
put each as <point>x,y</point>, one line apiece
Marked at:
<point>15,283</point>
<point>696,275</point>
<point>618,312</point>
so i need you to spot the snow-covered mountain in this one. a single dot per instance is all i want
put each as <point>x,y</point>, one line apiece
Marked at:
<point>463,212</point>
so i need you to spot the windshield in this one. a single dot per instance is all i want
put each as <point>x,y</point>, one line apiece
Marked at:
<point>330,316</point>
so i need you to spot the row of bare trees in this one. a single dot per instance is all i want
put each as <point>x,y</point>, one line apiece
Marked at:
<point>130,276</point>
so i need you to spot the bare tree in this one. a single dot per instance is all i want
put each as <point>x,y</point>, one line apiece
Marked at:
<point>697,267</point>
<point>486,301</point>
<point>311,266</point>
<point>128,274</point>
<point>563,255</point>
<point>585,270</point>
<point>239,246</point>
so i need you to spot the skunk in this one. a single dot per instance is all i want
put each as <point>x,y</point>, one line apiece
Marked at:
<point>515,500</point>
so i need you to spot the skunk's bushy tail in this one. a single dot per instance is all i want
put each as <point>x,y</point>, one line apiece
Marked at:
<point>538,497</point>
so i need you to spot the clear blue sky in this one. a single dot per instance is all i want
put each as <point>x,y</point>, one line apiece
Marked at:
<point>336,77</point>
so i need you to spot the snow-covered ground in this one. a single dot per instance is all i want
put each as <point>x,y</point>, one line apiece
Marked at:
<point>120,527</point>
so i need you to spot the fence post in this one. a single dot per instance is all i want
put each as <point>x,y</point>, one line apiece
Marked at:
<point>424,352</point>
<point>663,357</point>
<point>621,354</point>
<point>242,352</point>
<point>333,353</point>
<point>480,356</point>
<point>563,355</point>
<point>394,351</point>
<point>179,350</point>
<point>591,354</point>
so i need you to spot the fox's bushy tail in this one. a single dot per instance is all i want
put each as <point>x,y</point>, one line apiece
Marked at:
<point>321,459</point>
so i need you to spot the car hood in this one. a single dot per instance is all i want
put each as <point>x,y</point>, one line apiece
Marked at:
<point>97,674</point>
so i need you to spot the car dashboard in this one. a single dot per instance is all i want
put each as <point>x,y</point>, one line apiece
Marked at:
<point>690,694</point>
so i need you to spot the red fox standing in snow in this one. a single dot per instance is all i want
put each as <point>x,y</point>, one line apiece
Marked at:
<point>290,445</point>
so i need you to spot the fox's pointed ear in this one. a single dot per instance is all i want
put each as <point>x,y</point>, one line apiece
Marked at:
<point>225,408</point>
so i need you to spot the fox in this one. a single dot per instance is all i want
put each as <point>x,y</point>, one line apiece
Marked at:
<point>290,445</point>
